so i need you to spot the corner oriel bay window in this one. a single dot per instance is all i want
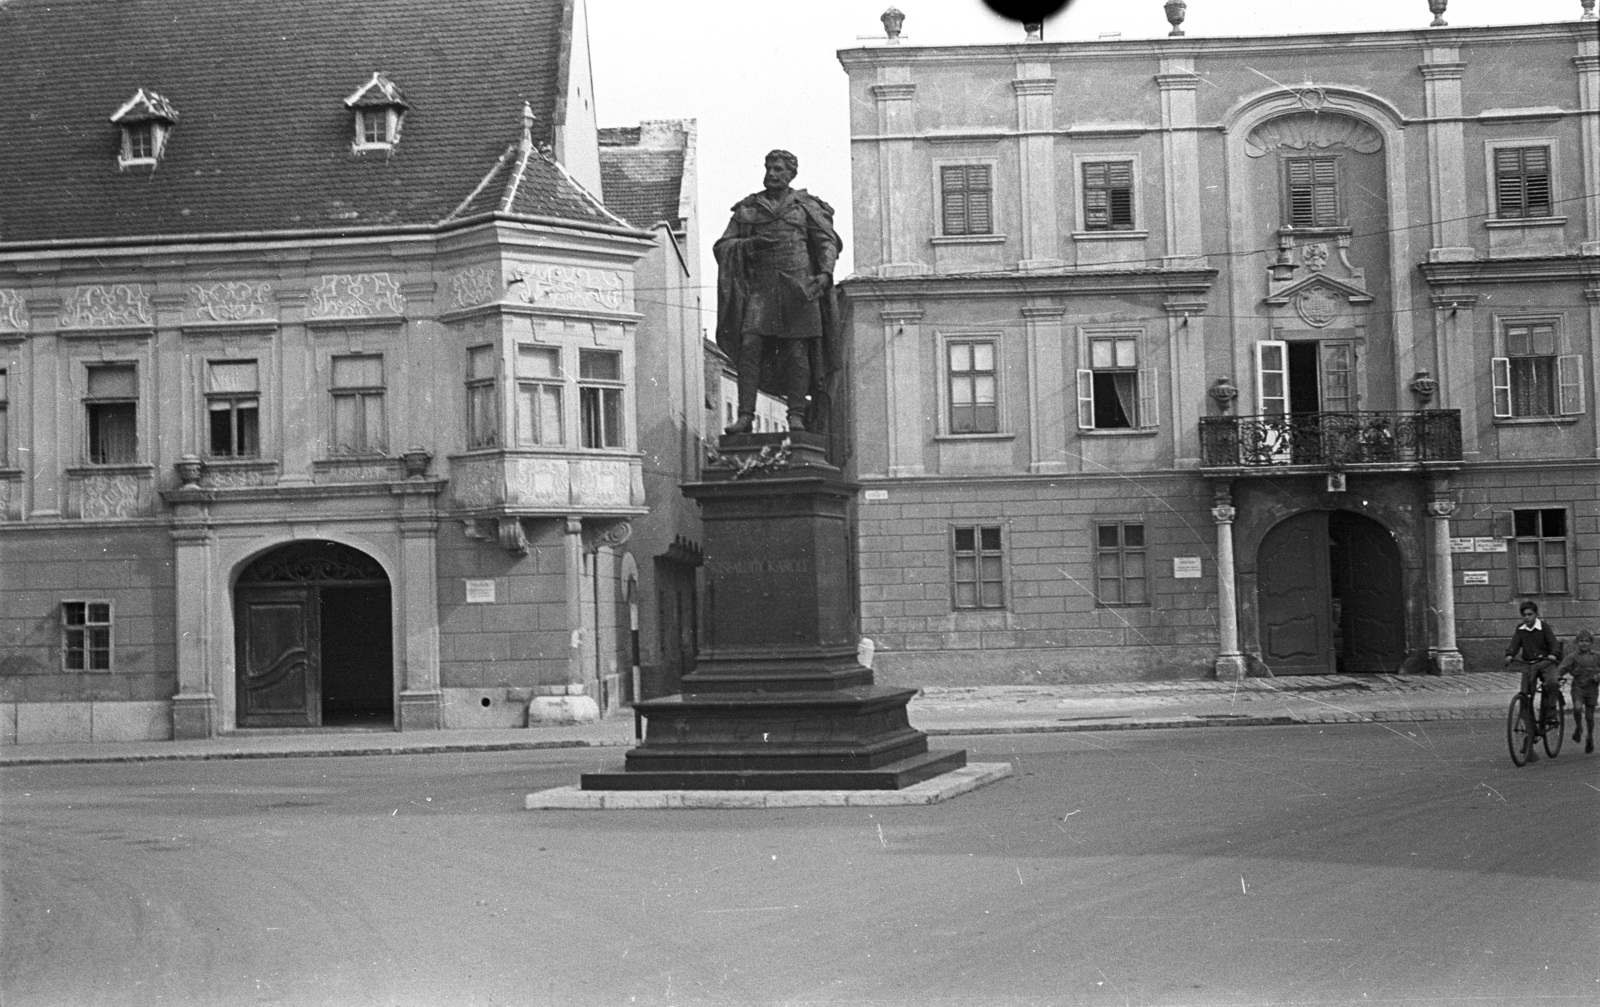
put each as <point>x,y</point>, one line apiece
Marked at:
<point>977,567</point>
<point>111,413</point>
<point>967,198</point>
<point>1114,392</point>
<point>358,416</point>
<point>1533,380</point>
<point>233,409</point>
<point>1108,196</point>
<point>600,397</point>
<point>1313,190</point>
<point>538,396</point>
<point>973,407</point>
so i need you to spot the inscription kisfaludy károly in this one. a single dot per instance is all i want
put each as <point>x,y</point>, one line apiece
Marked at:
<point>757,567</point>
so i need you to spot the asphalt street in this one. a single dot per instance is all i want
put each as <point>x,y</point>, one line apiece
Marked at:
<point>1405,863</point>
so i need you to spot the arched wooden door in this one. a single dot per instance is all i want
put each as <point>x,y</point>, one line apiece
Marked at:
<point>1294,597</point>
<point>1366,572</point>
<point>312,639</point>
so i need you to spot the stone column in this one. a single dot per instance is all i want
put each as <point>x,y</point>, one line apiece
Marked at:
<point>1441,586</point>
<point>1447,192</point>
<point>1230,662</point>
<point>1036,160</point>
<point>421,701</point>
<point>194,706</point>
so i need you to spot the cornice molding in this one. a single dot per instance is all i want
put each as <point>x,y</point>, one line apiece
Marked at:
<point>894,92</point>
<point>1097,281</point>
<point>1564,267</point>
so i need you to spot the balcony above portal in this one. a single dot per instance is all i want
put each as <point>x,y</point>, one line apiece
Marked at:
<point>1283,443</point>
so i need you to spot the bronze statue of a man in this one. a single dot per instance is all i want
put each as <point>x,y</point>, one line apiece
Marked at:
<point>776,315</point>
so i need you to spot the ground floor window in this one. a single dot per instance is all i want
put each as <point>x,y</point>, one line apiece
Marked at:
<point>1119,568</point>
<point>86,635</point>
<point>1540,550</point>
<point>977,566</point>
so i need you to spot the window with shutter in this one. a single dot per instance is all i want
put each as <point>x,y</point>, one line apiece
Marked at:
<point>1522,182</point>
<point>1532,379</point>
<point>966,193</point>
<point>1313,185</point>
<point>1114,392</point>
<point>1108,195</point>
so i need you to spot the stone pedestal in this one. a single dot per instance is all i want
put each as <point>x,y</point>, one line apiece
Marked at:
<point>777,700</point>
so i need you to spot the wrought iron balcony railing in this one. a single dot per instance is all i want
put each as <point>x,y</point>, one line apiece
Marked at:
<point>1331,440</point>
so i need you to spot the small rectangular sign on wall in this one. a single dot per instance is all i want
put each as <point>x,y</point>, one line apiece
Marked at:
<point>1475,577</point>
<point>480,592</point>
<point>1186,567</point>
<point>1489,544</point>
<point>1462,545</point>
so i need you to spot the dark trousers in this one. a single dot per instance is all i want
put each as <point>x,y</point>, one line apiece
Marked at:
<point>1544,671</point>
<point>795,360</point>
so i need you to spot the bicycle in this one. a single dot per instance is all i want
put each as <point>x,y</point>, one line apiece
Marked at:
<point>1521,731</point>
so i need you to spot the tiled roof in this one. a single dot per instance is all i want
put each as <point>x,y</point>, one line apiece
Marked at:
<point>642,184</point>
<point>263,141</point>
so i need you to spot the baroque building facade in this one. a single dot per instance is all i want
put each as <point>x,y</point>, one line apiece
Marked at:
<point>1191,356</point>
<point>316,409</point>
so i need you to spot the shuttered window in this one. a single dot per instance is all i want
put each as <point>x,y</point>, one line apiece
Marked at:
<point>1533,380</point>
<point>1313,184</point>
<point>1522,182</point>
<point>967,199</point>
<point>1108,196</point>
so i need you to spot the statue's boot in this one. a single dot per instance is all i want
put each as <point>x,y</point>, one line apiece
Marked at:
<point>797,421</point>
<point>742,425</point>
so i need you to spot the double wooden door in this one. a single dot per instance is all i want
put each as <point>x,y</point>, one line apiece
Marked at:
<point>308,653</point>
<point>1329,596</point>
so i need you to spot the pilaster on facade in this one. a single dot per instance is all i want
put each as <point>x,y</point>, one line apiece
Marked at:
<point>194,707</point>
<point>1588,68</point>
<point>1047,404</point>
<point>900,238</point>
<point>1036,160</point>
<point>1457,368</point>
<point>1186,351</point>
<point>1447,193</point>
<point>42,494</point>
<point>1180,149</point>
<point>1591,295</point>
<point>903,379</point>
<point>296,363</point>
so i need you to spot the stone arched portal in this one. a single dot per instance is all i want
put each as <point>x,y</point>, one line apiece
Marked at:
<point>1330,595</point>
<point>312,637</point>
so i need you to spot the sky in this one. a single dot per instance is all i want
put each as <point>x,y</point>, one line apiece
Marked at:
<point>762,75</point>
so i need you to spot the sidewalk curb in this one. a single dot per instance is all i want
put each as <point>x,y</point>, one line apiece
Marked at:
<point>1290,719</point>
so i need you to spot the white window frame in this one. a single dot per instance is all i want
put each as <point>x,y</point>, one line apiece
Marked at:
<point>602,386</point>
<point>158,143</point>
<point>995,234</point>
<point>360,393</point>
<point>494,437</point>
<point>1567,375</point>
<point>1080,208</point>
<point>1147,386</point>
<point>391,127</point>
<point>559,382</point>
<point>209,395</point>
<point>1491,205</point>
<point>943,341</point>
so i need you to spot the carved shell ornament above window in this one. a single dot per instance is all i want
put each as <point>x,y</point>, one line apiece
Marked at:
<point>379,109</point>
<point>1319,130</point>
<point>146,121</point>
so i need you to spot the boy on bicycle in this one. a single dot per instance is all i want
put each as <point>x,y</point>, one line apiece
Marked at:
<point>1534,645</point>
<point>1584,667</point>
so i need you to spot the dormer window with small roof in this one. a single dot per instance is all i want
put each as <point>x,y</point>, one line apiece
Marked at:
<point>378,106</point>
<point>146,120</point>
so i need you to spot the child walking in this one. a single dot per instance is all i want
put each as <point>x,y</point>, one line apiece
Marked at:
<point>1584,667</point>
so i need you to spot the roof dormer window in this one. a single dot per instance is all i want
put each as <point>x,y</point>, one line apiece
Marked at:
<point>379,107</point>
<point>146,120</point>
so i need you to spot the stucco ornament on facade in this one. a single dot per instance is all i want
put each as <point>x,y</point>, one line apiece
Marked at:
<point>1315,256</point>
<point>107,306</point>
<point>570,287</point>
<point>474,286</point>
<point>475,484</point>
<point>234,301</point>
<point>109,496</point>
<point>540,481</point>
<point>13,312</point>
<point>1316,305</point>
<point>1313,130</point>
<point>601,483</point>
<point>356,295</point>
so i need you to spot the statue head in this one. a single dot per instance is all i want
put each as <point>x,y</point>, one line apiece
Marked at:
<point>782,167</point>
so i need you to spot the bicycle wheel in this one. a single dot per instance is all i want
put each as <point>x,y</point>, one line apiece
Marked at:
<point>1556,727</point>
<point>1517,732</point>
